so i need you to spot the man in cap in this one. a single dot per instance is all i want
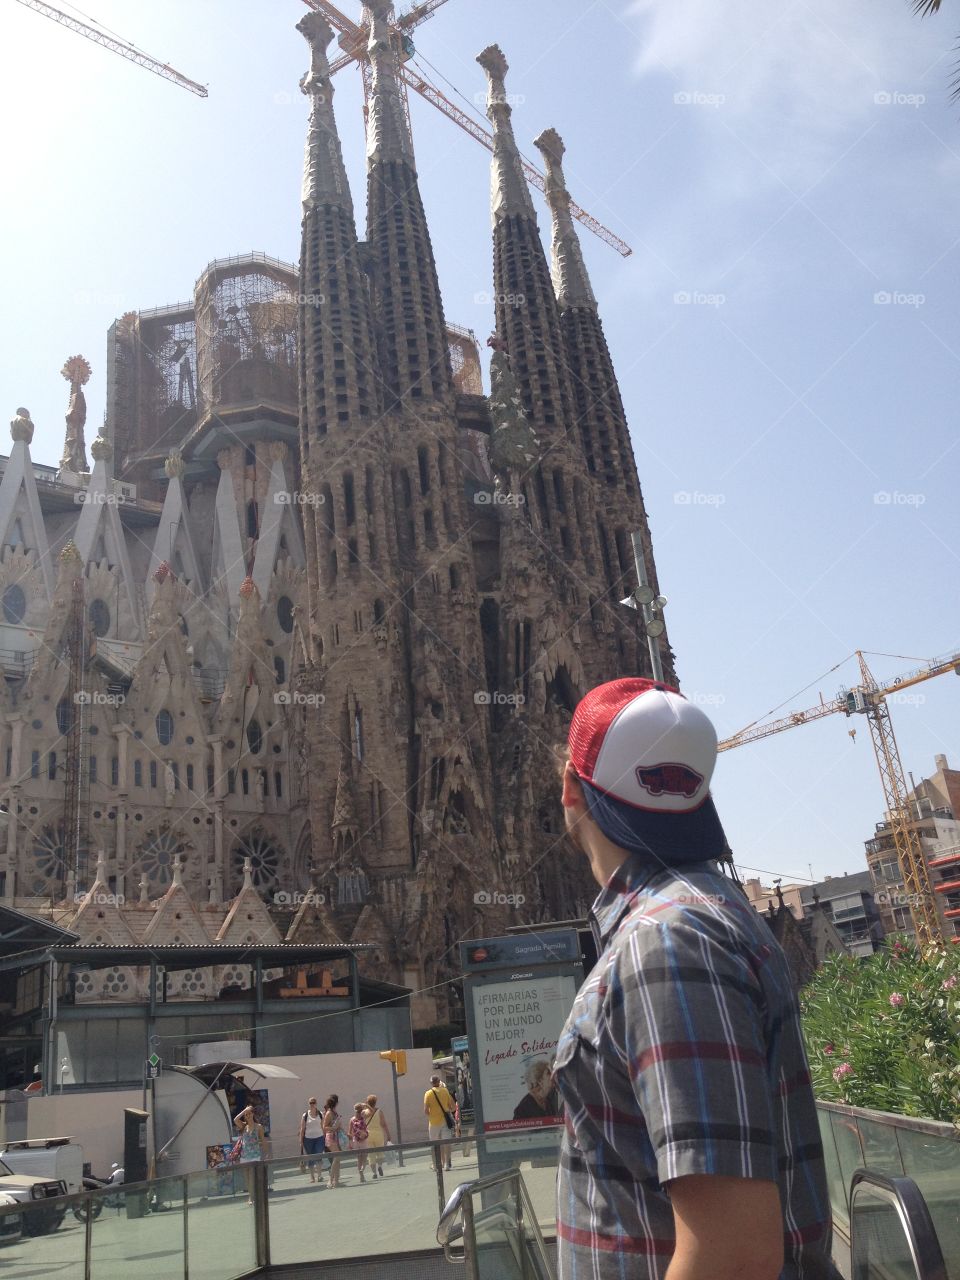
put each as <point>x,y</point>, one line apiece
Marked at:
<point>691,1148</point>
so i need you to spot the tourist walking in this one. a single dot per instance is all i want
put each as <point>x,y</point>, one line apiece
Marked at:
<point>359,1136</point>
<point>691,1146</point>
<point>379,1134</point>
<point>331,1134</point>
<point>438,1108</point>
<point>252,1143</point>
<point>312,1140</point>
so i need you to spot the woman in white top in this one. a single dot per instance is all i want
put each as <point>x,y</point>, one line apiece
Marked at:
<point>311,1138</point>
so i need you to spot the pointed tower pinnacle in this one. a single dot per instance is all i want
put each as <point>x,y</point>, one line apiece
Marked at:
<point>570,279</point>
<point>324,173</point>
<point>509,191</point>
<point>388,131</point>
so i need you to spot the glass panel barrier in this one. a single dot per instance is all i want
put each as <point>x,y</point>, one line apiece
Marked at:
<point>846,1136</point>
<point>221,1226</point>
<point>880,1148</point>
<point>934,1165</point>
<point>142,1229</point>
<point>836,1184</point>
<point>51,1242</point>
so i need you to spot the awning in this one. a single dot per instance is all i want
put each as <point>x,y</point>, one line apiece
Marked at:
<point>213,1071</point>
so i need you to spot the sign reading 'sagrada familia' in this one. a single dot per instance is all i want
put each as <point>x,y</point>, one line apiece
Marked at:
<point>288,655</point>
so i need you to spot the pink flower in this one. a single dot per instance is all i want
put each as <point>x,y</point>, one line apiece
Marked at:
<point>896,999</point>
<point>828,1049</point>
<point>949,984</point>
<point>843,1070</point>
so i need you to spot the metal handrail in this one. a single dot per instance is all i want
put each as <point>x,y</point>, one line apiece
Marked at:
<point>457,1221</point>
<point>905,1198</point>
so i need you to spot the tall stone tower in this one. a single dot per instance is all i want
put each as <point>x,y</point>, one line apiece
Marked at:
<point>455,616</point>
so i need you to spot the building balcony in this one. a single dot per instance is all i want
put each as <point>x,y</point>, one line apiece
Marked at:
<point>952,914</point>
<point>948,886</point>
<point>945,859</point>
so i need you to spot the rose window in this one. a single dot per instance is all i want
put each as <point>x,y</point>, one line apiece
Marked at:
<point>155,861</point>
<point>264,862</point>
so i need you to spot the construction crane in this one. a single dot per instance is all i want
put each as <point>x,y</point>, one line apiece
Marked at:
<point>868,699</point>
<point>353,41</point>
<point>125,50</point>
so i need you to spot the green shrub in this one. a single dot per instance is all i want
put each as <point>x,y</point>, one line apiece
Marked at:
<point>884,1032</point>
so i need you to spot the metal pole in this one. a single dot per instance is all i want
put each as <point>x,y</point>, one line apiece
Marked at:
<point>656,665</point>
<point>396,1112</point>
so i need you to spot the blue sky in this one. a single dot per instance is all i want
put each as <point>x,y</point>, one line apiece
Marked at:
<point>786,332</point>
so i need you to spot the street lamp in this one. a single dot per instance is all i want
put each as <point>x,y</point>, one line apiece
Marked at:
<point>650,604</point>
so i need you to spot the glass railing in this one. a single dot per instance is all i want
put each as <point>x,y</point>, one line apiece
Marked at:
<point>925,1151</point>
<point>892,1236</point>
<point>228,1222</point>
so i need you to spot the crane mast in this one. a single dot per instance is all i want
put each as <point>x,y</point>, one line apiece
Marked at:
<point>869,699</point>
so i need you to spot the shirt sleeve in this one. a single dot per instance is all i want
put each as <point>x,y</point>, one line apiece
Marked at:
<point>686,1015</point>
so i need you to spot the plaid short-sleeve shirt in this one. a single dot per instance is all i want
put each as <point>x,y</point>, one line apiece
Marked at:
<point>682,1055</point>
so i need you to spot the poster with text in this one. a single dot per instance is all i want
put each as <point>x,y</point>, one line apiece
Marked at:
<point>518,1024</point>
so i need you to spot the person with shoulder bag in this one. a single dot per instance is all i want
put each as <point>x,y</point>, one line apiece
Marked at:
<point>438,1108</point>
<point>359,1137</point>
<point>379,1134</point>
<point>312,1141</point>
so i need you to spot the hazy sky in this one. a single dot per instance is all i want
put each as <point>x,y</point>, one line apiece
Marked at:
<point>786,333</point>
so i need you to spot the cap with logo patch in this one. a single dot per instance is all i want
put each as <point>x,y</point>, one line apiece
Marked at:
<point>645,757</point>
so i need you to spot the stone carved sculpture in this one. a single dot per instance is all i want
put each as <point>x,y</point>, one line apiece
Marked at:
<point>77,373</point>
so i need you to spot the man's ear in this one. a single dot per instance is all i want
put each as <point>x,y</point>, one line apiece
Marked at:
<point>572,796</point>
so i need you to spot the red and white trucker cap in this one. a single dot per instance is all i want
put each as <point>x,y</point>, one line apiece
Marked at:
<point>646,756</point>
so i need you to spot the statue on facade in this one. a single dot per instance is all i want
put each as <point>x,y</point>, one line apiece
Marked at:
<point>77,372</point>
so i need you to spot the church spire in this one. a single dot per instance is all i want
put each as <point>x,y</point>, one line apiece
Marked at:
<point>388,129</point>
<point>414,357</point>
<point>509,191</point>
<point>324,173</point>
<point>570,279</point>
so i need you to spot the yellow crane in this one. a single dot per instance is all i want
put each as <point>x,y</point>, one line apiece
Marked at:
<point>101,37</point>
<point>353,41</point>
<point>869,699</point>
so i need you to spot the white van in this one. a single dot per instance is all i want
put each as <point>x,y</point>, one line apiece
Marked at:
<point>58,1159</point>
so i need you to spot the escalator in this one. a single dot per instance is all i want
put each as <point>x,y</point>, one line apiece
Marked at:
<point>892,1235</point>
<point>490,1226</point>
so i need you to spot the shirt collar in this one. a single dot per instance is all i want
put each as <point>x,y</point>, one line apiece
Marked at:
<point>617,895</point>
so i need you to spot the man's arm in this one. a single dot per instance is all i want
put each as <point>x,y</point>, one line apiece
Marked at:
<point>726,1228</point>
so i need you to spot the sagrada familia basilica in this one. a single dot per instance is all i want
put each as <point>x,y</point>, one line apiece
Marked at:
<point>288,655</point>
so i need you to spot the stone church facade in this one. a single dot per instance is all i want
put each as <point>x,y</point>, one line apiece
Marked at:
<point>307,627</point>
